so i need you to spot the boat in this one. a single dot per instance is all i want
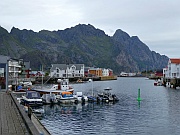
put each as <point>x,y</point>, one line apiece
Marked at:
<point>107,96</point>
<point>92,98</point>
<point>63,85</point>
<point>158,83</point>
<point>49,98</point>
<point>31,98</point>
<point>80,81</point>
<point>80,97</point>
<point>66,97</point>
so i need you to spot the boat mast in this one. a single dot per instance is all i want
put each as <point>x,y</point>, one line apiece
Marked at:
<point>42,77</point>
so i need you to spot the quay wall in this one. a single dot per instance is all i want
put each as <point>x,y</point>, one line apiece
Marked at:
<point>174,82</point>
<point>103,78</point>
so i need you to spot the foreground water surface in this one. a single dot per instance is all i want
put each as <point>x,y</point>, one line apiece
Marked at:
<point>157,113</point>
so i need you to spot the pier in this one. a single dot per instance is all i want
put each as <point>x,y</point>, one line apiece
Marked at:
<point>14,120</point>
<point>174,82</point>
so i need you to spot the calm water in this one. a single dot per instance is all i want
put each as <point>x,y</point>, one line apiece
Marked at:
<point>157,114</point>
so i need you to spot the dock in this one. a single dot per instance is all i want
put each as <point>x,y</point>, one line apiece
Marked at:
<point>14,120</point>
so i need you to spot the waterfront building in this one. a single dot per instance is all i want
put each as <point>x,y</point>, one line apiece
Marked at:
<point>173,69</point>
<point>98,72</point>
<point>67,70</point>
<point>95,71</point>
<point>15,66</point>
<point>36,73</point>
<point>171,73</point>
<point>105,72</point>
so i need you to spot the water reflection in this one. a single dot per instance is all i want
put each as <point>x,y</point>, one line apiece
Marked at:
<point>75,119</point>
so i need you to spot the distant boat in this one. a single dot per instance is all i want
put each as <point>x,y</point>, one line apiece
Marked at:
<point>158,83</point>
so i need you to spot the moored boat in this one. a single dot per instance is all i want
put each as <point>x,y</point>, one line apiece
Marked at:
<point>49,98</point>
<point>66,97</point>
<point>63,85</point>
<point>32,98</point>
<point>80,97</point>
<point>107,96</point>
<point>158,83</point>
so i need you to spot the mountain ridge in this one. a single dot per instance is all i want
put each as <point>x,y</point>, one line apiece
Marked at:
<point>81,44</point>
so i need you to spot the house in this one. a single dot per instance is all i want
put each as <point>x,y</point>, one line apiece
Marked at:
<point>67,70</point>
<point>173,68</point>
<point>36,73</point>
<point>159,73</point>
<point>98,72</point>
<point>95,71</point>
<point>105,72</point>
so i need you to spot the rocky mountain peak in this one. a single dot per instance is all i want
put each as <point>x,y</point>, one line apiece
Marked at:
<point>120,36</point>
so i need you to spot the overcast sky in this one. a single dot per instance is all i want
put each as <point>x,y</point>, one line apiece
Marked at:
<point>155,22</point>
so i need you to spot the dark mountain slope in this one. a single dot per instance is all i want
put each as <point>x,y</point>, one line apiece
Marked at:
<point>80,44</point>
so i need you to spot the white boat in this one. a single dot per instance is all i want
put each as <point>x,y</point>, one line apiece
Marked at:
<point>32,98</point>
<point>25,83</point>
<point>63,85</point>
<point>107,96</point>
<point>158,83</point>
<point>66,97</point>
<point>80,97</point>
<point>49,98</point>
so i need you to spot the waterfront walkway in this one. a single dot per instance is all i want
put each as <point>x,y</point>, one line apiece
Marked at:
<point>11,122</point>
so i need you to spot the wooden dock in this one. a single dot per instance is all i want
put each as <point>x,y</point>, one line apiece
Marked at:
<point>11,122</point>
<point>14,120</point>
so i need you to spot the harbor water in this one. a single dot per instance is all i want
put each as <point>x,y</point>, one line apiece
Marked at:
<point>158,113</point>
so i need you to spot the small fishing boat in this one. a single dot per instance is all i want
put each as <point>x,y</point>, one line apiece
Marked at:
<point>31,98</point>
<point>63,85</point>
<point>66,97</point>
<point>107,96</point>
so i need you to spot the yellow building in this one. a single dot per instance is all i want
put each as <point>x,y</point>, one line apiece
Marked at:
<point>95,71</point>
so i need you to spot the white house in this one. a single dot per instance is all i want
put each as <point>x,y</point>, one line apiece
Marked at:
<point>15,66</point>
<point>67,70</point>
<point>173,69</point>
<point>105,72</point>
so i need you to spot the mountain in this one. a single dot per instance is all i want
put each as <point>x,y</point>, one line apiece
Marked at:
<point>80,44</point>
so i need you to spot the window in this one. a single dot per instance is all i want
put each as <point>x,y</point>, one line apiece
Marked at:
<point>57,70</point>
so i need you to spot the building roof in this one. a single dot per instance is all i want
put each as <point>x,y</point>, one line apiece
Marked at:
<point>64,66</point>
<point>175,60</point>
